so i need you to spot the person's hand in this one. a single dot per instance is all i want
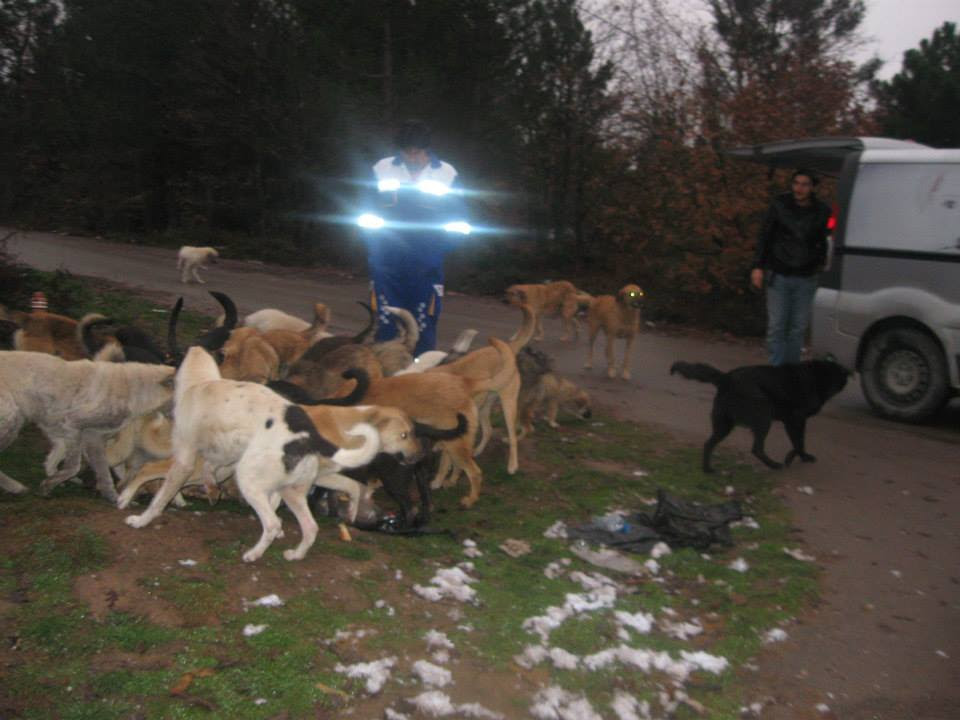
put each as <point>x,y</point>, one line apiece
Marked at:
<point>756,278</point>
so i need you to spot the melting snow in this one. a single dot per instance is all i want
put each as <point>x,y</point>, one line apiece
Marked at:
<point>375,673</point>
<point>431,674</point>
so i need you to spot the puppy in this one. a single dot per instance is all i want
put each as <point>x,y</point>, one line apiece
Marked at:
<point>270,443</point>
<point>619,317</point>
<point>543,390</point>
<point>77,405</point>
<point>190,259</point>
<point>552,298</point>
<point>756,395</point>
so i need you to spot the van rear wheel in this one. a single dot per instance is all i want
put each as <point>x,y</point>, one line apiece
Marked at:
<point>904,375</point>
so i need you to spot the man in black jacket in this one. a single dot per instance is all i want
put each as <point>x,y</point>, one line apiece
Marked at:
<point>790,252</point>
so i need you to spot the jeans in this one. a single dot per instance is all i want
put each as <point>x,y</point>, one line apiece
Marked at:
<point>789,304</point>
<point>421,297</point>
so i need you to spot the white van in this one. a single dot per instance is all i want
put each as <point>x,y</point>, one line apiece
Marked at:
<point>888,304</point>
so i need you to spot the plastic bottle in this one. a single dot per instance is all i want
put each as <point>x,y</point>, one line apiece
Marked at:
<point>611,522</point>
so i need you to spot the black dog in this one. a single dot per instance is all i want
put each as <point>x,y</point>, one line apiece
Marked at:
<point>756,395</point>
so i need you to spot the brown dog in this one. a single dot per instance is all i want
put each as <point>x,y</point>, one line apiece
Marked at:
<point>436,398</point>
<point>41,331</point>
<point>619,317</point>
<point>248,356</point>
<point>551,298</point>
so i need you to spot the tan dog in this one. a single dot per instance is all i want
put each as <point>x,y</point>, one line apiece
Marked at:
<point>190,259</point>
<point>249,357</point>
<point>41,331</point>
<point>619,317</point>
<point>435,399</point>
<point>273,319</point>
<point>272,445</point>
<point>484,363</point>
<point>552,298</point>
<point>550,393</point>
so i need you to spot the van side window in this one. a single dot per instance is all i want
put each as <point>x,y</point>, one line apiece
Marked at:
<point>906,206</point>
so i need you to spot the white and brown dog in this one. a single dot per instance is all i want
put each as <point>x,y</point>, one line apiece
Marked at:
<point>619,317</point>
<point>190,259</point>
<point>271,444</point>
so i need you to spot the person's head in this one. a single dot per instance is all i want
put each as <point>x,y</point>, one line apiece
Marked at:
<point>412,139</point>
<point>802,184</point>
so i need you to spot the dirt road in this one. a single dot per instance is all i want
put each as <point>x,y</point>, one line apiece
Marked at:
<point>881,519</point>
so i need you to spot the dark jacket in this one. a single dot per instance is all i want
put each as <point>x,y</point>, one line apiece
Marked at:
<point>793,238</point>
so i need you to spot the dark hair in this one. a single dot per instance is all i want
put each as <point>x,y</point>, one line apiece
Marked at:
<point>814,178</point>
<point>412,134</point>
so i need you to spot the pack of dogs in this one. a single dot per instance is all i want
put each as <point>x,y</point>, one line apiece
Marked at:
<point>278,408</point>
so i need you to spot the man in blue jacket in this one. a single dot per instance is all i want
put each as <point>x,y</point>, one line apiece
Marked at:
<point>791,250</point>
<point>416,216</point>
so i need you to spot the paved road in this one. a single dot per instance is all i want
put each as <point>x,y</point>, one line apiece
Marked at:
<point>885,643</point>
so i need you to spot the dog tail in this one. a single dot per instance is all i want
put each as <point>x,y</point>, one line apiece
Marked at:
<point>361,337</point>
<point>229,309</point>
<point>85,332</point>
<point>173,352</point>
<point>699,371</point>
<point>363,455</point>
<point>437,434</point>
<point>411,331</point>
<point>508,368</point>
<point>522,336</point>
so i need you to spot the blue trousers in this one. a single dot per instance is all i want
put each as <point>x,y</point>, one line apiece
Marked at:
<point>789,305</point>
<point>421,298</point>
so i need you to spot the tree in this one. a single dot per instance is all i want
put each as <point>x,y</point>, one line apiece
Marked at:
<point>922,100</point>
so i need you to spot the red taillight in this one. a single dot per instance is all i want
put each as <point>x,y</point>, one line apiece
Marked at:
<point>832,223</point>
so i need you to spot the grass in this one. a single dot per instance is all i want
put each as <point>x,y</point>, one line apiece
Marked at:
<point>61,660</point>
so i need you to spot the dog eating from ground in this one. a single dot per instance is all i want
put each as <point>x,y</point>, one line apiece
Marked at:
<point>190,259</point>
<point>271,444</point>
<point>553,298</point>
<point>754,396</point>
<point>619,317</point>
<point>542,390</point>
<point>77,405</point>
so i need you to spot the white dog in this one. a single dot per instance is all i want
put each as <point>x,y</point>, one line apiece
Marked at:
<point>190,259</point>
<point>77,404</point>
<point>272,445</point>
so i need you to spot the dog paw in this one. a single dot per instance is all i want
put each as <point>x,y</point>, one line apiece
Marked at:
<point>136,521</point>
<point>293,554</point>
<point>807,457</point>
<point>625,375</point>
<point>252,555</point>
<point>467,502</point>
<point>611,373</point>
